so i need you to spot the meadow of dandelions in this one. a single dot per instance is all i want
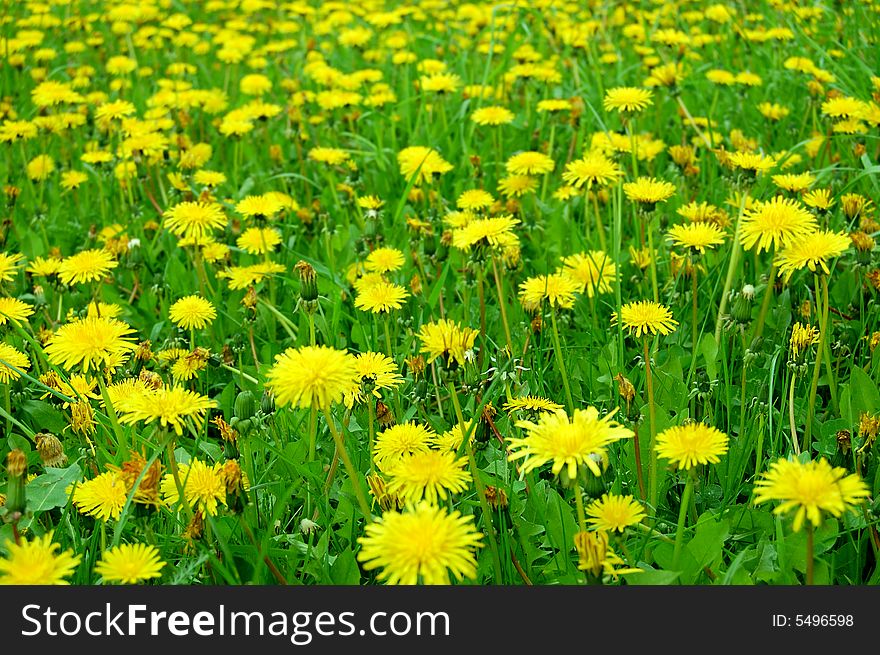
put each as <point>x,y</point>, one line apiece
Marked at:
<point>439,293</point>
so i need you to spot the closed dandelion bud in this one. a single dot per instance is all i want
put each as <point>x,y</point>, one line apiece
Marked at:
<point>430,244</point>
<point>267,402</point>
<point>308,289</point>
<point>16,472</point>
<point>245,405</point>
<point>39,296</point>
<point>50,449</point>
<point>741,309</point>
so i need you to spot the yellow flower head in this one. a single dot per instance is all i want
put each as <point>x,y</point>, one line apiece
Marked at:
<point>13,309</point>
<point>381,297</point>
<point>567,442</point>
<point>9,358</point>
<point>775,224</point>
<point>192,313</point>
<point>810,488</point>
<point>495,233</point>
<point>170,406</point>
<point>614,513</point>
<point>696,236</point>
<point>311,376</point>
<point>446,339</point>
<point>802,337</point>
<point>648,191</point>
<point>627,99</point>
<point>384,260</point>
<point>646,317</point>
<point>398,441</point>
<point>530,162</point>
<point>812,251</point>
<point>36,562</point>
<point>204,486</point>
<point>493,115</point>
<point>557,289</point>
<point>90,342</point>
<point>691,444</point>
<point>130,564</point>
<point>431,475</point>
<point>194,219</point>
<point>591,169</point>
<point>593,270</point>
<point>86,266</point>
<point>258,240</point>
<point>421,545</point>
<point>424,163</point>
<point>102,497</point>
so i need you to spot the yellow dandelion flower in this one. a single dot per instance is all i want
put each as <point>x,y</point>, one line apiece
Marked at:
<point>36,562</point>
<point>398,441</point>
<point>812,251</point>
<point>130,564</point>
<point>423,544</point>
<point>646,317</point>
<point>258,240</point>
<point>192,313</point>
<point>90,342</point>
<point>170,406</point>
<point>86,266</point>
<point>775,224</point>
<point>692,444</point>
<point>557,289</point>
<point>311,376</point>
<point>567,442</point>
<point>614,513</point>
<point>627,99</point>
<point>102,497</point>
<point>810,488</point>
<point>204,486</point>
<point>430,475</point>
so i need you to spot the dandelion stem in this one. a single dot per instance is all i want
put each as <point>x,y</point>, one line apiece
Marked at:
<point>499,286</point>
<point>810,552</point>
<point>822,307</point>
<point>579,503</point>
<point>349,467</point>
<point>791,421</point>
<point>478,483</point>
<point>121,441</point>
<point>765,303</point>
<point>175,474</point>
<point>313,432</point>
<point>371,413</point>
<point>652,461</point>
<point>731,267</point>
<point>561,360</point>
<point>682,516</point>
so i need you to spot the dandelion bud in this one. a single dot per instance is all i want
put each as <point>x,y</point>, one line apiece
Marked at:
<point>50,449</point>
<point>741,309</point>
<point>267,402</point>
<point>308,290</point>
<point>39,296</point>
<point>245,405</point>
<point>16,471</point>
